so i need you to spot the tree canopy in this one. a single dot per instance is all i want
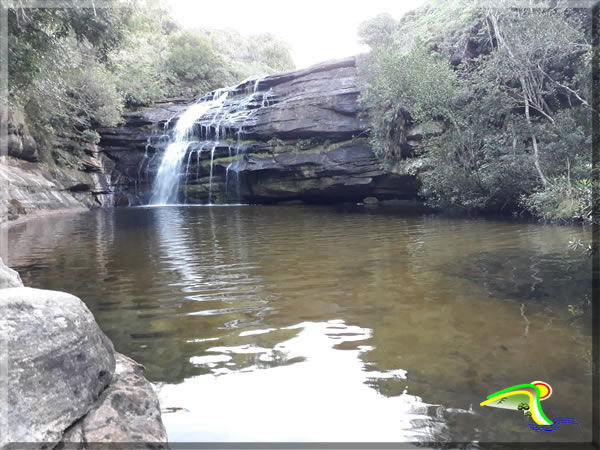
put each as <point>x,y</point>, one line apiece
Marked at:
<point>73,69</point>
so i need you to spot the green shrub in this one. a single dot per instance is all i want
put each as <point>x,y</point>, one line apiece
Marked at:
<point>561,201</point>
<point>90,136</point>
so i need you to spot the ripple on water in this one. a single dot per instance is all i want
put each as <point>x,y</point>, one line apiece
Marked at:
<point>319,323</point>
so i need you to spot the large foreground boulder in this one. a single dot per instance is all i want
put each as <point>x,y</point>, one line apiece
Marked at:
<point>59,362</point>
<point>65,381</point>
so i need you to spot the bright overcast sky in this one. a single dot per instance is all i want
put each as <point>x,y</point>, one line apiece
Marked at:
<point>316,30</point>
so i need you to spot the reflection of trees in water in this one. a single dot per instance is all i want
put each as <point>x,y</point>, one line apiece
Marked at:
<point>523,274</point>
<point>474,343</point>
<point>171,284</point>
<point>169,276</point>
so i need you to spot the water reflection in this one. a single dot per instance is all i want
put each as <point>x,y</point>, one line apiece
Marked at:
<point>352,323</point>
<point>529,274</point>
<point>326,392</point>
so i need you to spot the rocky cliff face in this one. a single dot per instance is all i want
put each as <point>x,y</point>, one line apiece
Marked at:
<point>290,136</point>
<point>66,384</point>
<point>29,186</point>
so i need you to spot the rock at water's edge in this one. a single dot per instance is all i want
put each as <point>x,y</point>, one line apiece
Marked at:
<point>127,411</point>
<point>63,386</point>
<point>9,278</point>
<point>59,362</point>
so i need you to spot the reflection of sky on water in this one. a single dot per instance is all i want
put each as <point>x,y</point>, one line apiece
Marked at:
<point>322,396</point>
<point>236,312</point>
<point>203,267</point>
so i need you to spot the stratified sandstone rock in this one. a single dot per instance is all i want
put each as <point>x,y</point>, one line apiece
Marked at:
<point>28,188</point>
<point>275,143</point>
<point>19,142</point>
<point>320,101</point>
<point>346,171</point>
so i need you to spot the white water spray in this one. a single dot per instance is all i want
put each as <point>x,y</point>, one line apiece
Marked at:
<point>166,184</point>
<point>211,120</point>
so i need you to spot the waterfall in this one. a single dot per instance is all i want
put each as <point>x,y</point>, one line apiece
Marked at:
<point>214,118</point>
<point>212,159</point>
<point>166,184</point>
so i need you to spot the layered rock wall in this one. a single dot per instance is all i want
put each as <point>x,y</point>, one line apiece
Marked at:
<point>291,136</point>
<point>29,186</point>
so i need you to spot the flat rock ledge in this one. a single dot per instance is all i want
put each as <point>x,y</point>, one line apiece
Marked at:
<point>66,387</point>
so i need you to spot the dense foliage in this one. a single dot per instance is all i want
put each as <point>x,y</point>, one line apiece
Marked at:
<point>74,69</point>
<point>510,90</point>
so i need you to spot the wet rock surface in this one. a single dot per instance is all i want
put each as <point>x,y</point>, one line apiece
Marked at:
<point>346,172</point>
<point>247,141</point>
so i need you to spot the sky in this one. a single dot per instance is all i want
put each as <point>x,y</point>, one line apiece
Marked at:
<point>315,30</point>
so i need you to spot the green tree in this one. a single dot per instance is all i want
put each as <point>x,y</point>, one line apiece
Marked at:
<point>33,32</point>
<point>379,32</point>
<point>72,69</point>
<point>191,56</point>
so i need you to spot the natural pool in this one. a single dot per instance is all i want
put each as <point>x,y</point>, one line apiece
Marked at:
<point>318,323</point>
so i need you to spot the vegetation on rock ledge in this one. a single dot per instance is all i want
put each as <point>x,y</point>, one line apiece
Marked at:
<point>512,88</point>
<point>72,69</point>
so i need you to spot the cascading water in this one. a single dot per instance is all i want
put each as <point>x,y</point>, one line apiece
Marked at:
<point>166,184</point>
<point>215,118</point>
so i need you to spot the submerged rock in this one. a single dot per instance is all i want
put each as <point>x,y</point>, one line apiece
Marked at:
<point>62,381</point>
<point>370,200</point>
<point>528,276</point>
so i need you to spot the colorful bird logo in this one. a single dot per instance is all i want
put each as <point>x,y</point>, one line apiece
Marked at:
<point>527,398</point>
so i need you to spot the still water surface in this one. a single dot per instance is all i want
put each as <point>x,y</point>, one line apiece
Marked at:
<point>306,323</point>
